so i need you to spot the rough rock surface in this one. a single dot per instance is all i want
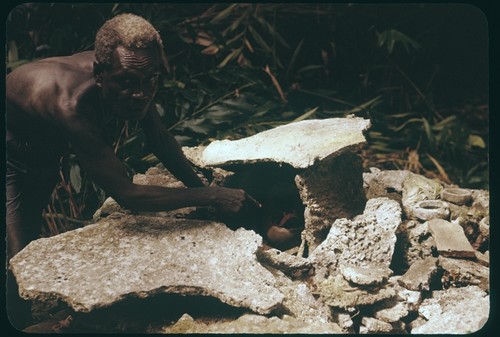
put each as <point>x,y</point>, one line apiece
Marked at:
<point>369,275</point>
<point>418,188</point>
<point>392,314</point>
<point>414,242</point>
<point>337,292</point>
<point>419,276</point>
<point>373,325</point>
<point>455,311</point>
<point>299,144</point>
<point>368,238</point>
<point>378,183</point>
<point>292,265</point>
<point>330,190</point>
<point>252,324</point>
<point>460,272</point>
<point>300,303</point>
<point>103,263</point>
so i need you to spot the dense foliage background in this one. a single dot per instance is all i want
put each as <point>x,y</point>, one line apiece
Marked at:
<point>419,72</point>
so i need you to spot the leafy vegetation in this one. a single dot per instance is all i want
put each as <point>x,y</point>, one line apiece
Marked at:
<point>419,72</point>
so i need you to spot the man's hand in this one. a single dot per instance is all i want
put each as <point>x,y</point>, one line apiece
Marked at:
<point>231,200</point>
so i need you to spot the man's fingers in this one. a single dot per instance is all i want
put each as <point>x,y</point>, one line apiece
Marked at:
<point>255,202</point>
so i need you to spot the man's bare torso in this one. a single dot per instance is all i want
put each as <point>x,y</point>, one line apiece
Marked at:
<point>41,95</point>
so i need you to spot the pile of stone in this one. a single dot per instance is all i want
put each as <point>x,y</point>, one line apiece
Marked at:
<point>381,251</point>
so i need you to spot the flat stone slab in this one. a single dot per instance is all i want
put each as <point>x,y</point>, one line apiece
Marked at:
<point>299,144</point>
<point>98,265</point>
<point>419,275</point>
<point>450,239</point>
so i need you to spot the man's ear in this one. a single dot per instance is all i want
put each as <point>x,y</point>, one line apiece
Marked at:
<point>98,69</point>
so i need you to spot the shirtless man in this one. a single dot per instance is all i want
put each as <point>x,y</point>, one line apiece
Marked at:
<point>69,100</point>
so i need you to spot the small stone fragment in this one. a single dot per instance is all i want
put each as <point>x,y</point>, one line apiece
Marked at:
<point>291,265</point>
<point>450,239</point>
<point>373,325</point>
<point>419,275</point>
<point>336,292</point>
<point>369,275</point>
<point>460,273</point>
<point>483,259</point>
<point>458,196</point>
<point>392,314</point>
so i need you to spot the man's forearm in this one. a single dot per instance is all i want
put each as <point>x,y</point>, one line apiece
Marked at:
<point>176,162</point>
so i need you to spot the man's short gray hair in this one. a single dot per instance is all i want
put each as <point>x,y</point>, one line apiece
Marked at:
<point>128,30</point>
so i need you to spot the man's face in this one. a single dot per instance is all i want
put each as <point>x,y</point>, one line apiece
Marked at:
<point>131,82</point>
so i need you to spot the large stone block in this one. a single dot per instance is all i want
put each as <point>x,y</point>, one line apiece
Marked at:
<point>300,144</point>
<point>98,265</point>
<point>366,240</point>
<point>315,156</point>
<point>330,190</point>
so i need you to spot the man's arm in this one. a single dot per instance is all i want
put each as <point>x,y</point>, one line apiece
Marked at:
<point>99,160</point>
<point>168,151</point>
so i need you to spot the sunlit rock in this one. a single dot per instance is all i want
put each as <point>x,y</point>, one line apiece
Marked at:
<point>141,256</point>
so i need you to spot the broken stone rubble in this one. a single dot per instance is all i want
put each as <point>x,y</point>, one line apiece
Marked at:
<point>353,282</point>
<point>454,311</point>
<point>368,238</point>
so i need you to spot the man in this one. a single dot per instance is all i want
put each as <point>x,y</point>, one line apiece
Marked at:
<point>69,100</point>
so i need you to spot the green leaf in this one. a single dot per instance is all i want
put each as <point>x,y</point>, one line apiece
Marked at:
<point>365,105</point>
<point>160,110</point>
<point>229,57</point>
<point>444,123</point>
<point>477,141</point>
<point>13,55</point>
<point>223,14</point>
<point>310,68</point>
<point>260,40</point>
<point>427,129</point>
<point>402,126</point>
<point>273,31</point>
<point>390,37</point>
<point>294,57</point>
<point>234,25</point>
<point>306,115</point>
<point>75,178</point>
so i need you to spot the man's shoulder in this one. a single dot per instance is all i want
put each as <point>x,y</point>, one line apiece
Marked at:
<point>83,60</point>
<point>80,62</point>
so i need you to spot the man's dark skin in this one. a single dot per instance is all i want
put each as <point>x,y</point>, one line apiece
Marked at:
<point>64,100</point>
<point>69,100</point>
